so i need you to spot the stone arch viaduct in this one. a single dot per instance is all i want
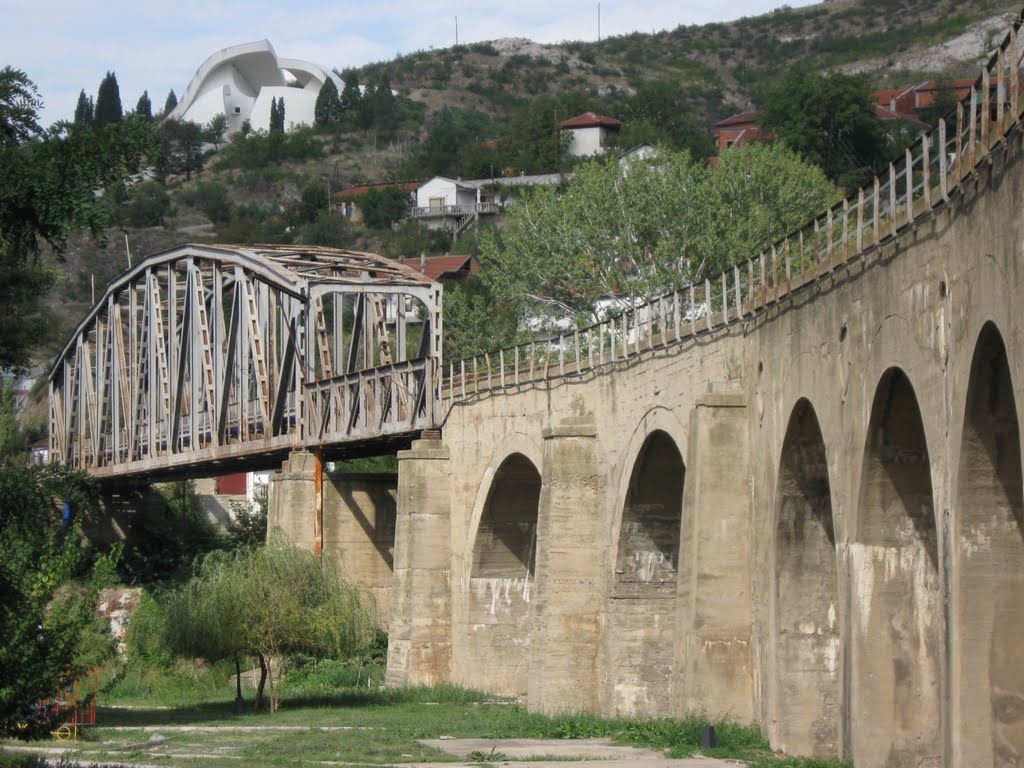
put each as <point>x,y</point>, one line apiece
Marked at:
<point>791,495</point>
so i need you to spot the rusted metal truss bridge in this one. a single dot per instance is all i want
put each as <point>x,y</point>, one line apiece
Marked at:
<point>211,358</point>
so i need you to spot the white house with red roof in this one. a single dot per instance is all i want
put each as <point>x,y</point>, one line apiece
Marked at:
<point>589,133</point>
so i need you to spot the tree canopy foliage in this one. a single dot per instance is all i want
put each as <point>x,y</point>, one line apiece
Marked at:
<point>327,110</point>
<point>144,108</point>
<point>266,602</point>
<point>170,103</point>
<point>40,630</point>
<point>84,109</point>
<point>48,187</point>
<point>630,232</point>
<point>659,113</point>
<point>108,102</point>
<point>829,120</point>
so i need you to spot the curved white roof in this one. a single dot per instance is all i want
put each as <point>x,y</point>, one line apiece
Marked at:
<point>239,82</point>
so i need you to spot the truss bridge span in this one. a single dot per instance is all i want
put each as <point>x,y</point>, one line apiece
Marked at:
<point>212,358</point>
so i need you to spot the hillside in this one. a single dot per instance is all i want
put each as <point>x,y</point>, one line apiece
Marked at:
<point>722,67</point>
<point>725,65</point>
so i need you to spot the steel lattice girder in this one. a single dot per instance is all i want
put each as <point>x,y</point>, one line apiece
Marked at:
<point>215,353</point>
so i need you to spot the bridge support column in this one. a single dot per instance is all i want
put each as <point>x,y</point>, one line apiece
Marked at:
<point>569,574</point>
<point>359,524</point>
<point>420,631</point>
<point>714,668</point>
<point>291,505</point>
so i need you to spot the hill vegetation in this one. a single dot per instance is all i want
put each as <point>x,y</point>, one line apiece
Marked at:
<point>478,110</point>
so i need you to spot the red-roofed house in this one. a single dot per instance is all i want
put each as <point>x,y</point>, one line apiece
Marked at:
<point>907,101</point>
<point>588,133</point>
<point>456,269</point>
<point>738,129</point>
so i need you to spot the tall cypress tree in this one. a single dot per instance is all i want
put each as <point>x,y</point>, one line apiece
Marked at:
<point>328,105</point>
<point>84,109</point>
<point>108,102</point>
<point>171,103</point>
<point>144,108</point>
<point>273,115</point>
<point>383,104</point>
<point>351,98</point>
<point>280,115</point>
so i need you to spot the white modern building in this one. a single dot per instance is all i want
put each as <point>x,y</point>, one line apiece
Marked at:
<point>239,82</point>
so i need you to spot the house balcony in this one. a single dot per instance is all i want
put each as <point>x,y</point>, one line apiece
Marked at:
<point>446,211</point>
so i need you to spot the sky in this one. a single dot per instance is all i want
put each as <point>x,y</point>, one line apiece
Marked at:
<point>156,45</point>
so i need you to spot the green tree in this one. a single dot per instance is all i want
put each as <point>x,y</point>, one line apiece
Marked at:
<point>11,445</point>
<point>440,152</point>
<point>631,232</point>
<point>267,602</point>
<point>475,322</point>
<point>364,115</point>
<point>108,102</point>
<point>755,196</point>
<point>327,110</point>
<point>351,99</point>
<point>47,189</point>
<point>383,206</point>
<point>182,148</point>
<point>40,628</point>
<point>213,131</point>
<point>830,121</point>
<point>533,141</point>
<point>170,103</point>
<point>311,203</point>
<point>328,229</point>
<point>411,237</point>
<point>143,108</point>
<point>211,198</point>
<point>659,113</point>
<point>19,106</point>
<point>383,106</point>
<point>84,109</point>
<point>147,205</point>
<point>167,533</point>
<point>277,115</point>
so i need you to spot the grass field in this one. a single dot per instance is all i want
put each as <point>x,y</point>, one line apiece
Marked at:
<point>185,718</point>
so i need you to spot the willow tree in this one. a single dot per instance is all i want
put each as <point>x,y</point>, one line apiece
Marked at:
<point>267,602</point>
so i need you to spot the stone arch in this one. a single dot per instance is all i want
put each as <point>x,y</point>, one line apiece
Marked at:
<point>501,569</point>
<point>506,538</point>
<point>989,552</point>
<point>648,541</point>
<point>641,606</point>
<point>896,606</point>
<point>806,689</point>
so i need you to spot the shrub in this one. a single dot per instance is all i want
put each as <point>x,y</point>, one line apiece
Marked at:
<point>147,206</point>
<point>211,198</point>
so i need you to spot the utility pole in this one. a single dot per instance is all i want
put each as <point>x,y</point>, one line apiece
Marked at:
<point>599,22</point>
<point>456,30</point>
